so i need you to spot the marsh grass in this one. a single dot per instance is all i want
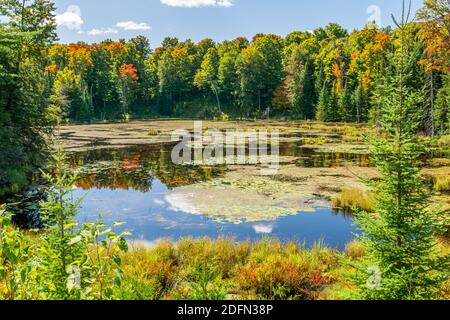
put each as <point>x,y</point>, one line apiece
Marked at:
<point>222,269</point>
<point>351,199</point>
<point>316,140</point>
<point>153,132</point>
<point>355,250</point>
<point>442,183</point>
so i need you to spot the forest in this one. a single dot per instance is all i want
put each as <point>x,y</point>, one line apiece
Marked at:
<point>385,91</point>
<point>329,74</point>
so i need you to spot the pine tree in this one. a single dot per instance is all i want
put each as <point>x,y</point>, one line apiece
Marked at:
<point>322,105</point>
<point>360,103</point>
<point>400,238</point>
<point>442,113</point>
<point>345,105</point>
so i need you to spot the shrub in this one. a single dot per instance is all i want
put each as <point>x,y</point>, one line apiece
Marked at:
<point>207,284</point>
<point>151,268</point>
<point>16,265</point>
<point>278,272</point>
<point>66,261</point>
<point>224,117</point>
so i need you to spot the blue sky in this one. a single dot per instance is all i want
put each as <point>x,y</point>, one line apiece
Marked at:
<point>93,21</point>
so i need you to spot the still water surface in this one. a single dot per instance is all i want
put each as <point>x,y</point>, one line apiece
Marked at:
<point>133,185</point>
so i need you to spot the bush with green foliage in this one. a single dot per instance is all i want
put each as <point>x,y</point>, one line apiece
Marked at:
<point>66,260</point>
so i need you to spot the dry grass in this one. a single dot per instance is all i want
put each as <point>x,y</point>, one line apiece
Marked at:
<point>153,132</point>
<point>350,199</point>
<point>440,162</point>
<point>355,250</point>
<point>442,183</point>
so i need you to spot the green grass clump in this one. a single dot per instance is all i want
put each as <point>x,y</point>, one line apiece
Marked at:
<point>444,141</point>
<point>350,199</point>
<point>316,140</point>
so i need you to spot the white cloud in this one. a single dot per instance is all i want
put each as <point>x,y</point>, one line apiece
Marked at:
<point>98,32</point>
<point>263,228</point>
<point>131,25</point>
<point>198,3</point>
<point>182,202</point>
<point>158,202</point>
<point>71,19</point>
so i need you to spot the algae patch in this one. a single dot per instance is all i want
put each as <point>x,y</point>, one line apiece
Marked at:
<point>247,199</point>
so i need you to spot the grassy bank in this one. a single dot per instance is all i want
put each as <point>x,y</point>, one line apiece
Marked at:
<point>224,269</point>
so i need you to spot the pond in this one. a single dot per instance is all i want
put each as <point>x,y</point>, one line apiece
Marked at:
<point>159,200</point>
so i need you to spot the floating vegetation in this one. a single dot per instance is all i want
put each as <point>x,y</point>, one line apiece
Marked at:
<point>249,199</point>
<point>341,148</point>
<point>153,132</point>
<point>316,140</point>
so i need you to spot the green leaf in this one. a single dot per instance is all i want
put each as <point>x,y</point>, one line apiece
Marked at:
<point>75,240</point>
<point>122,244</point>
<point>119,223</point>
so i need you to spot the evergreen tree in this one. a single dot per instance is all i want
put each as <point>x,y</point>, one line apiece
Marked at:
<point>400,238</point>
<point>442,113</point>
<point>323,105</point>
<point>345,105</point>
<point>24,90</point>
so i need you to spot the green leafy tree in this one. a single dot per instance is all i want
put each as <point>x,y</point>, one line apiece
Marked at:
<point>250,70</point>
<point>227,77</point>
<point>76,262</point>
<point>300,80</point>
<point>207,75</point>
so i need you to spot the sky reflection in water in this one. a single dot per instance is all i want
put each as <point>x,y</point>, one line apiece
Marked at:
<point>149,216</point>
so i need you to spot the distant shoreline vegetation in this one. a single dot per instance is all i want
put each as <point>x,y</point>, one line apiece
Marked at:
<point>329,74</point>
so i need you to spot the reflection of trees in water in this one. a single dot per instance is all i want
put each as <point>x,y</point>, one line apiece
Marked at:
<point>115,178</point>
<point>312,158</point>
<point>347,214</point>
<point>26,209</point>
<point>135,168</point>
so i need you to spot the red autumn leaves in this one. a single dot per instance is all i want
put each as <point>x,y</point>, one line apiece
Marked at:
<point>128,71</point>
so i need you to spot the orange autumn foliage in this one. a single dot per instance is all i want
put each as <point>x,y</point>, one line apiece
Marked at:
<point>128,71</point>
<point>337,72</point>
<point>51,69</point>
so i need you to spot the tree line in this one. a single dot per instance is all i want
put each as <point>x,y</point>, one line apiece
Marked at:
<point>328,74</point>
